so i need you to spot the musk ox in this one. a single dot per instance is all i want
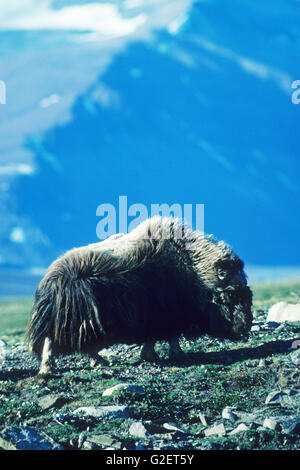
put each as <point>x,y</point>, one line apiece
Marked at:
<point>157,282</point>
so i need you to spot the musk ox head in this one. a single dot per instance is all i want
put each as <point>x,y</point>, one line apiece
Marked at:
<point>231,316</point>
<point>233,297</point>
<point>230,313</point>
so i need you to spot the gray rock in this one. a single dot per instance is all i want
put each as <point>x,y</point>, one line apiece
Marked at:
<point>106,353</point>
<point>134,388</point>
<point>280,327</point>
<point>249,418</point>
<point>17,438</point>
<point>256,327</point>
<point>113,411</point>
<point>137,429</point>
<point>278,397</point>
<point>291,425</point>
<point>242,427</point>
<point>88,446</point>
<point>52,401</point>
<point>217,429</point>
<point>271,423</point>
<point>101,441</point>
<point>174,428</point>
<point>282,311</point>
<point>228,414</point>
<point>202,418</point>
<point>295,357</point>
<point>81,439</point>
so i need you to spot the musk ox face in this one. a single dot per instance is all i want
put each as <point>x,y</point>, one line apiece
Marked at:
<point>233,316</point>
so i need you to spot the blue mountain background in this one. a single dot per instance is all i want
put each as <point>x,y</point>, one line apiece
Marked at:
<point>196,110</point>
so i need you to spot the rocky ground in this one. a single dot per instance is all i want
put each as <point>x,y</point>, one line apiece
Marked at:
<point>222,395</point>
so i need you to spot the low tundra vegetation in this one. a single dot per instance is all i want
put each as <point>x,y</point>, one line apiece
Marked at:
<point>191,393</point>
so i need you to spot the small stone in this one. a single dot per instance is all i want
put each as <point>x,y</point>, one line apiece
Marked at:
<point>217,429</point>
<point>81,439</point>
<point>282,311</point>
<point>291,426</point>
<point>134,388</point>
<point>248,418</point>
<point>106,353</point>
<point>240,428</point>
<point>280,327</point>
<point>273,398</point>
<point>88,446</point>
<point>278,397</point>
<point>255,328</point>
<point>202,419</point>
<point>173,427</point>
<point>113,411</point>
<point>100,440</point>
<point>52,401</point>
<point>227,413</point>
<point>137,429</point>
<point>271,423</point>
<point>295,357</point>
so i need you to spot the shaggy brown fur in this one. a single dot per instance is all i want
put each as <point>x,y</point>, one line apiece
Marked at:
<point>157,282</point>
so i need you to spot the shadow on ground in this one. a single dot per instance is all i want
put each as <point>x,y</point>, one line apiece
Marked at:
<point>230,356</point>
<point>224,357</point>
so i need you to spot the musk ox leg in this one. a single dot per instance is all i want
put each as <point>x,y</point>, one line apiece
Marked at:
<point>148,353</point>
<point>175,351</point>
<point>47,360</point>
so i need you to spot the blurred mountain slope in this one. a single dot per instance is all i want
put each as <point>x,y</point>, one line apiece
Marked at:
<point>198,113</point>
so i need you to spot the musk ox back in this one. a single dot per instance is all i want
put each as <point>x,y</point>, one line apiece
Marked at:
<point>157,282</point>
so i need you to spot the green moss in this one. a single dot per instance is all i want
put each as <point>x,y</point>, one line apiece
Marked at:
<point>267,294</point>
<point>16,411</point>
<point>14,316</point>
